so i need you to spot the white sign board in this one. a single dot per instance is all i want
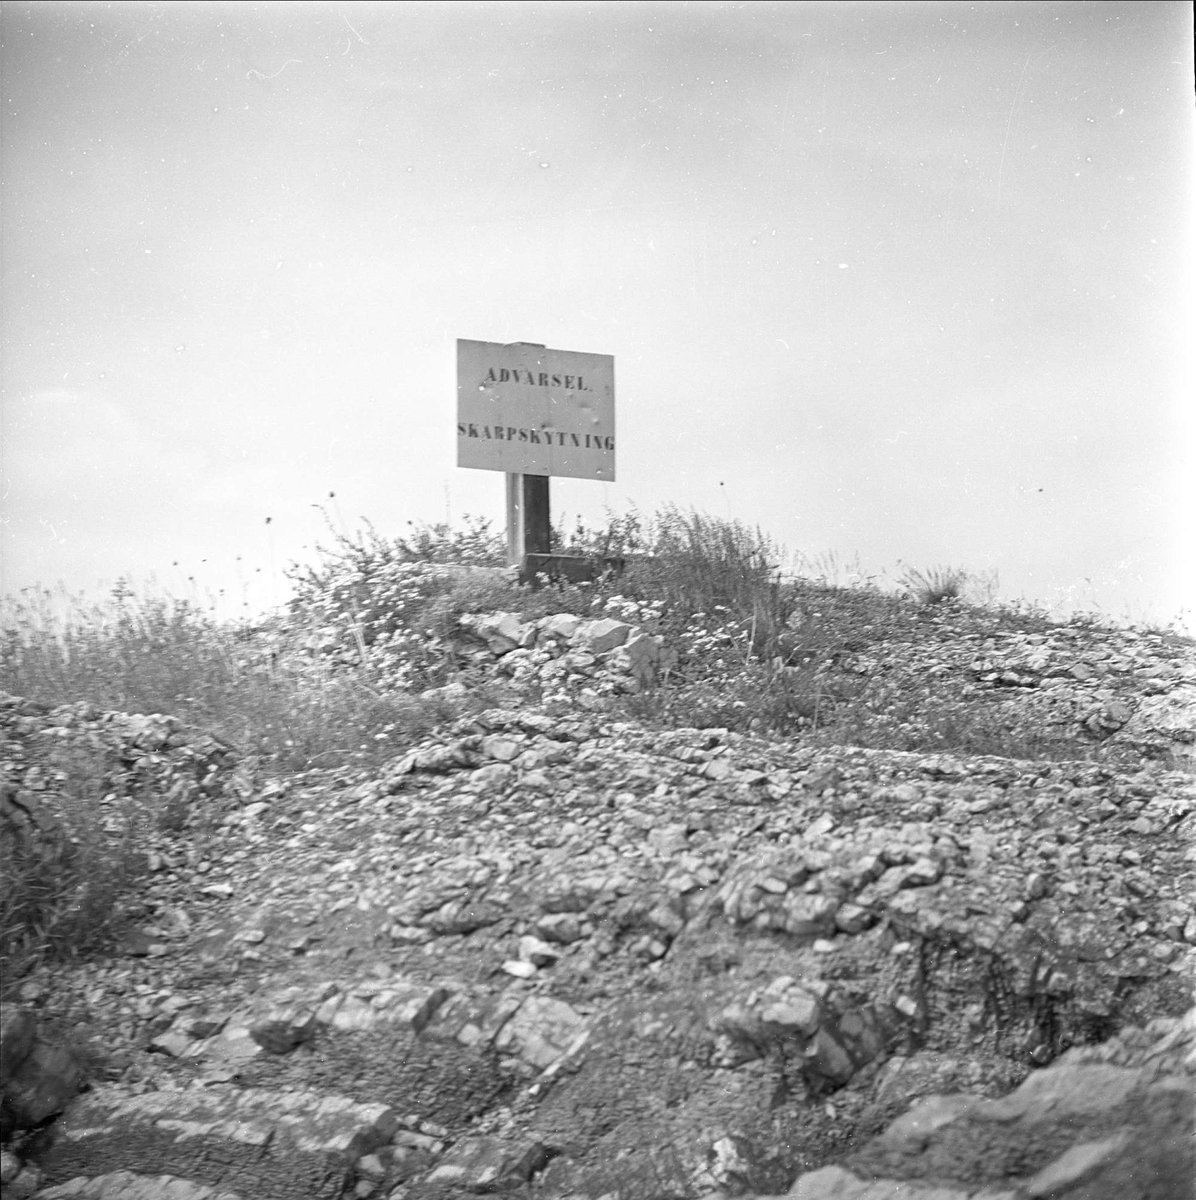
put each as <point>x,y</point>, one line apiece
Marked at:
<point>532,411</point>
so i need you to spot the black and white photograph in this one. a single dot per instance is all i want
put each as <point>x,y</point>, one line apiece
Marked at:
<point>597,599</point>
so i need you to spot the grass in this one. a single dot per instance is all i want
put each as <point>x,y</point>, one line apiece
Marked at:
<point>65,864</point>
<point>336,679</point>
<point>934,585</point>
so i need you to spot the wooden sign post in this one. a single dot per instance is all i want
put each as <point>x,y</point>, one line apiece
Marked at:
<point>529,522</point>
<point>533,413</point>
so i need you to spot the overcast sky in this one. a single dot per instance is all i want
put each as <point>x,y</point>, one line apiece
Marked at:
<point>907,282</point>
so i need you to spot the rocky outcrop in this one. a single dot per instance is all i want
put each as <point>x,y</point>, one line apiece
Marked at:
<point>550,953</point>
<point>564,657</point>
<point>252,1142</point>
<point>1103,1123</point>
<point>38,1075</point>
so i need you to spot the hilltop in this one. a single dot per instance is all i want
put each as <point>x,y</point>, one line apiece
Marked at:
<point>690,883</point>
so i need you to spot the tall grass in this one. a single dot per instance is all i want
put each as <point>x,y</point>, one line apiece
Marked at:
<point>266,689</point>
<point>935,585</point>
<point>337,676</point>
<point>65,864</point>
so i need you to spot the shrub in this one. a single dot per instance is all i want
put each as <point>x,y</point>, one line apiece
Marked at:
<point>619,536</point>
<point>476,545</point>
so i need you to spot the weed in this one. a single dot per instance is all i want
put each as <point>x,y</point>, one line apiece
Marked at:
<point>934,585</point>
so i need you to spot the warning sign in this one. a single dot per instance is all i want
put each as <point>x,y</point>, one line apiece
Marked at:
<point>529,410</point>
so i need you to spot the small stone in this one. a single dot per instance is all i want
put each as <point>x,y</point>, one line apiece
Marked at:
<point>798,1013</point>
<point>563,927</point>
<point>173,1043</point>
<point>410,934</point>
<point>651,948</point>
<point>600,636</point>
<point>371,1166</point>
<point>809,916</point>
<point>906,1007</point>
<point>492,777</point>
<point>537,952</point>
<point>541,1031</point>
<point>854,918</point>
<point>200,1026</point>
<point>501,749</point>
<point>717,769</point>
<point>502,632</point>
<point>668,840</point>
<point>519,968</point>
<point>408,1139</point>
<point>483,1165</point>
<point>1035,886</point>
<point>923,872</point>
<point>666,919</point>
<point>826,1060</point>
<point>281,1031</point>
<point>560,625</point>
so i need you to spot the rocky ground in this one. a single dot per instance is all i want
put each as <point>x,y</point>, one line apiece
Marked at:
<point>557,954</point>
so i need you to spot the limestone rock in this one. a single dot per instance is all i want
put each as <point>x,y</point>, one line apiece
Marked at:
<point>274,1145</point>
<point>537,952</point>
<point>542,1031</point>
<point>126,1185</point>
<point>46,1077</point>
<point>1090,1125</point>
<point>602,635</point>
<point>975,917</point>
<point>561,927</point>
<point>281,1031</point>
<point>489,1165</point>
<point>18,1030</point>
<point>502,632</point>
<point>560,625</point>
